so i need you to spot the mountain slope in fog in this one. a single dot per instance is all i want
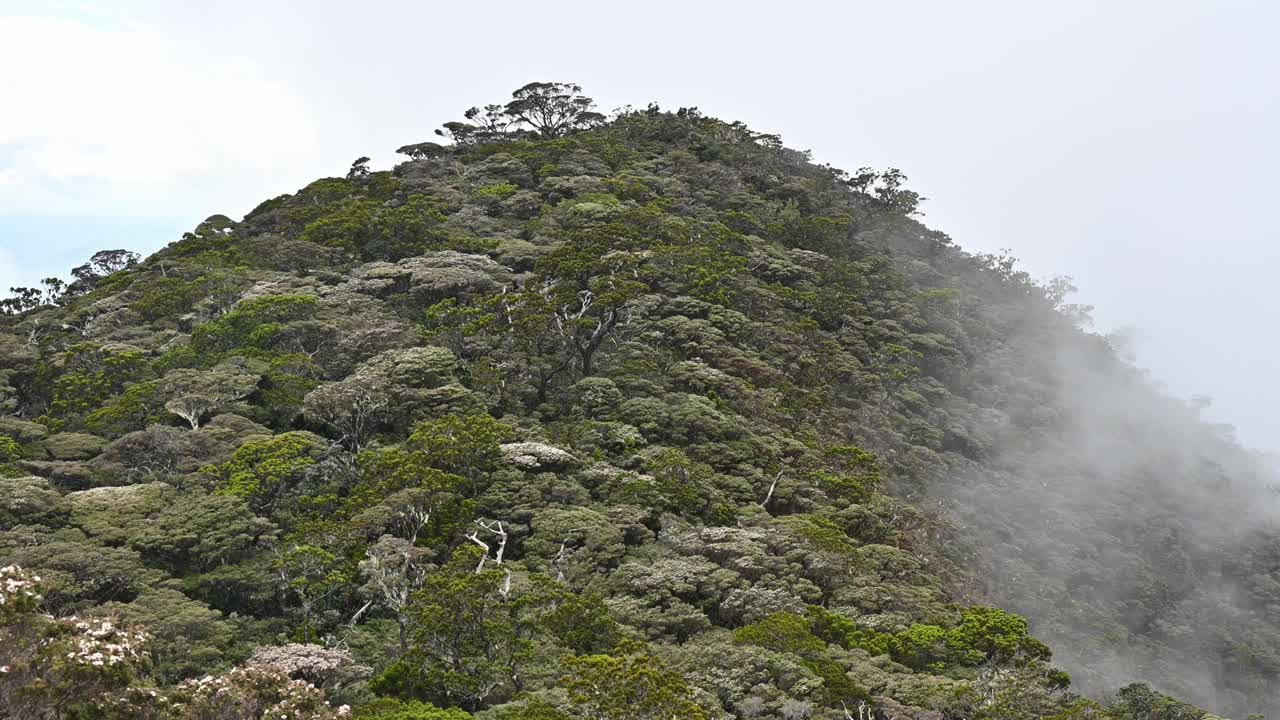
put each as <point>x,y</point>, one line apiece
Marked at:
<point>645,417</point>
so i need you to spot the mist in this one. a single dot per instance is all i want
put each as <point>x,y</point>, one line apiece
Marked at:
<point>1135,535</point>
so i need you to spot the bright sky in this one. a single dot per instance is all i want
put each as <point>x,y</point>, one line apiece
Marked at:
<point>1131,145</point>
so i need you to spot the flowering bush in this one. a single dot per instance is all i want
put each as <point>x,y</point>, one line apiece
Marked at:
<point>53,665</point>
<point>93,667</point>
<point>252,693</point>
<point>243,693</point>
<point>328,668</point>
<point>18,592</point>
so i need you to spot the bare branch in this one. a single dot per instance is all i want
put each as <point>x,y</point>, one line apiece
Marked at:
<point>495,527</point>
<point>475,538</point>
<point>772,486</point>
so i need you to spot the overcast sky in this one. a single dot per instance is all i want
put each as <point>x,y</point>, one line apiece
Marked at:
<point>1131,145</point>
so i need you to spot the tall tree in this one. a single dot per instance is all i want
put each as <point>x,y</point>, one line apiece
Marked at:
<point>552,109</point>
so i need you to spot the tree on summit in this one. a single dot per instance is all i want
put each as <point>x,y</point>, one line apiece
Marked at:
<point>488,124</point>
<point>552,109</point>
<point>548,110</point>
<point>104,263</point>
<point>53,290</point>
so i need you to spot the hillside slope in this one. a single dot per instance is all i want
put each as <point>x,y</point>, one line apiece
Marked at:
<point>645,418</point>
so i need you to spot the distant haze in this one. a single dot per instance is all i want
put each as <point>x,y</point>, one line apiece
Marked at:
<point>1129,145</point>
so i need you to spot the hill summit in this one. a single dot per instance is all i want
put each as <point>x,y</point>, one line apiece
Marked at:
<point>632,417</point>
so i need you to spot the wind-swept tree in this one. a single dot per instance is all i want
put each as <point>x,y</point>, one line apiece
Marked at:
<point>422,151</point>
<point>23,299</point>
<point>486,124</point>
<point>552,109</point>
<point>549,110</point>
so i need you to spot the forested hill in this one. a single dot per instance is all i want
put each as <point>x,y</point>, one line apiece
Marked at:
<point>632,418</point>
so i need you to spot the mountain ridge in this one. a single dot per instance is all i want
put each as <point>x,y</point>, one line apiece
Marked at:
<point>679,422</point>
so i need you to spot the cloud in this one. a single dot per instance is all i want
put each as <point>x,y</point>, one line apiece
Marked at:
<point>10,274</point>
<point>116,119</point>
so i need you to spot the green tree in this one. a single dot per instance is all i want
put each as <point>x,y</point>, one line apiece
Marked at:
<point>186,636</point>
<point>375,231</point>
<point>309,576</point>
<point>393,709</point>
<point>630,686</point>
<point>781,632</point>
<point>199,532</point>
<point>468,639</point>
<point>465,445</point>
<point>552,109</point>
<point>990,634</point>
<point>476,631</point>
<point>921,646</point>
<point>1139,702</point>
<point>91,373</point>
<point>264,470</point>
<point>402,493</point>
<point>252,325</point>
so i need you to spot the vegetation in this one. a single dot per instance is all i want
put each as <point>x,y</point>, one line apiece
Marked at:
<point>635,418</point>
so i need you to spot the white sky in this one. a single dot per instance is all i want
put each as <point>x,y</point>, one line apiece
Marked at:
<point>1132,145</point>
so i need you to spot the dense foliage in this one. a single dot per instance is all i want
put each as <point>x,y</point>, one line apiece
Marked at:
<point>638,418</point>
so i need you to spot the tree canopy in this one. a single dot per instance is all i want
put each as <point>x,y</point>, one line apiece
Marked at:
<point>626,418</point>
